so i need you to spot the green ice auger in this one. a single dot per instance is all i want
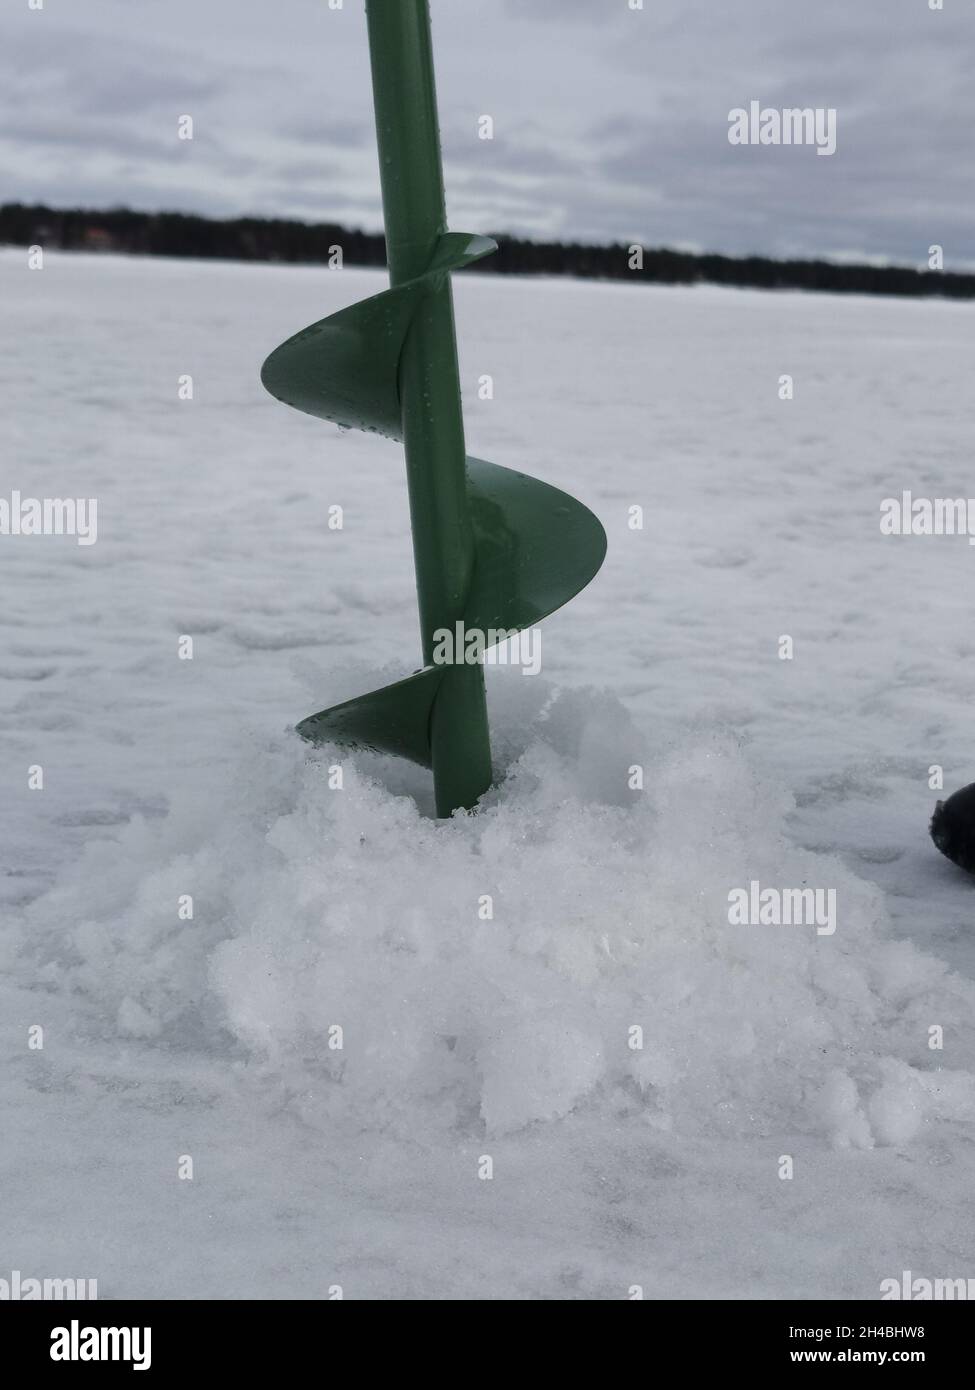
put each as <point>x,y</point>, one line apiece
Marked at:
<point>494,549</point>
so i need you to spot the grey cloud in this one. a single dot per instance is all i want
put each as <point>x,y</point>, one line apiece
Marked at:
<point>610,123</point>
<point>318,131</point>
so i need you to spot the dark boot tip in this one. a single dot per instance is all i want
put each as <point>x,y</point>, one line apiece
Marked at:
<point>953,828</point>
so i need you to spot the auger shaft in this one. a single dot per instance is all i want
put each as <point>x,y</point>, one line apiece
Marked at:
<point>433,427</point>
<point>495,550</point>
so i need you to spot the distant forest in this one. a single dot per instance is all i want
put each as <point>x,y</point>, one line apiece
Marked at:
<point>259,239</point>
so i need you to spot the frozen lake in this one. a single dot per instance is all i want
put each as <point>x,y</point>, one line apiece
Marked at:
<point>510,1039</point>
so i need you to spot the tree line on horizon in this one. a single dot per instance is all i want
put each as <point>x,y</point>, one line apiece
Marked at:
<point>303,243</point>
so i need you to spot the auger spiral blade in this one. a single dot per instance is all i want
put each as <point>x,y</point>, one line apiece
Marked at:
<point>494,550</point>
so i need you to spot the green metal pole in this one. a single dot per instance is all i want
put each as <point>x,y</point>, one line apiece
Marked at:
<point>492,547</point>
<point>433,427</point>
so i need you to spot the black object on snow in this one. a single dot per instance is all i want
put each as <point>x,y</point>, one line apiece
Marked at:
<point>953,827</point>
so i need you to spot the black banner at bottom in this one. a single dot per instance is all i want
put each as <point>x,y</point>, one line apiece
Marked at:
<point>175,1338</point>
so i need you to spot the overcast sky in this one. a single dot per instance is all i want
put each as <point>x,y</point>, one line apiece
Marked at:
<point>610,123</point>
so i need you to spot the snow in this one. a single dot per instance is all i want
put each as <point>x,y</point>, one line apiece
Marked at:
<point>509,1032</point>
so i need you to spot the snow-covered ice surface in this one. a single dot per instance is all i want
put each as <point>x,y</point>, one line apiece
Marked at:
<point>317,908</point>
